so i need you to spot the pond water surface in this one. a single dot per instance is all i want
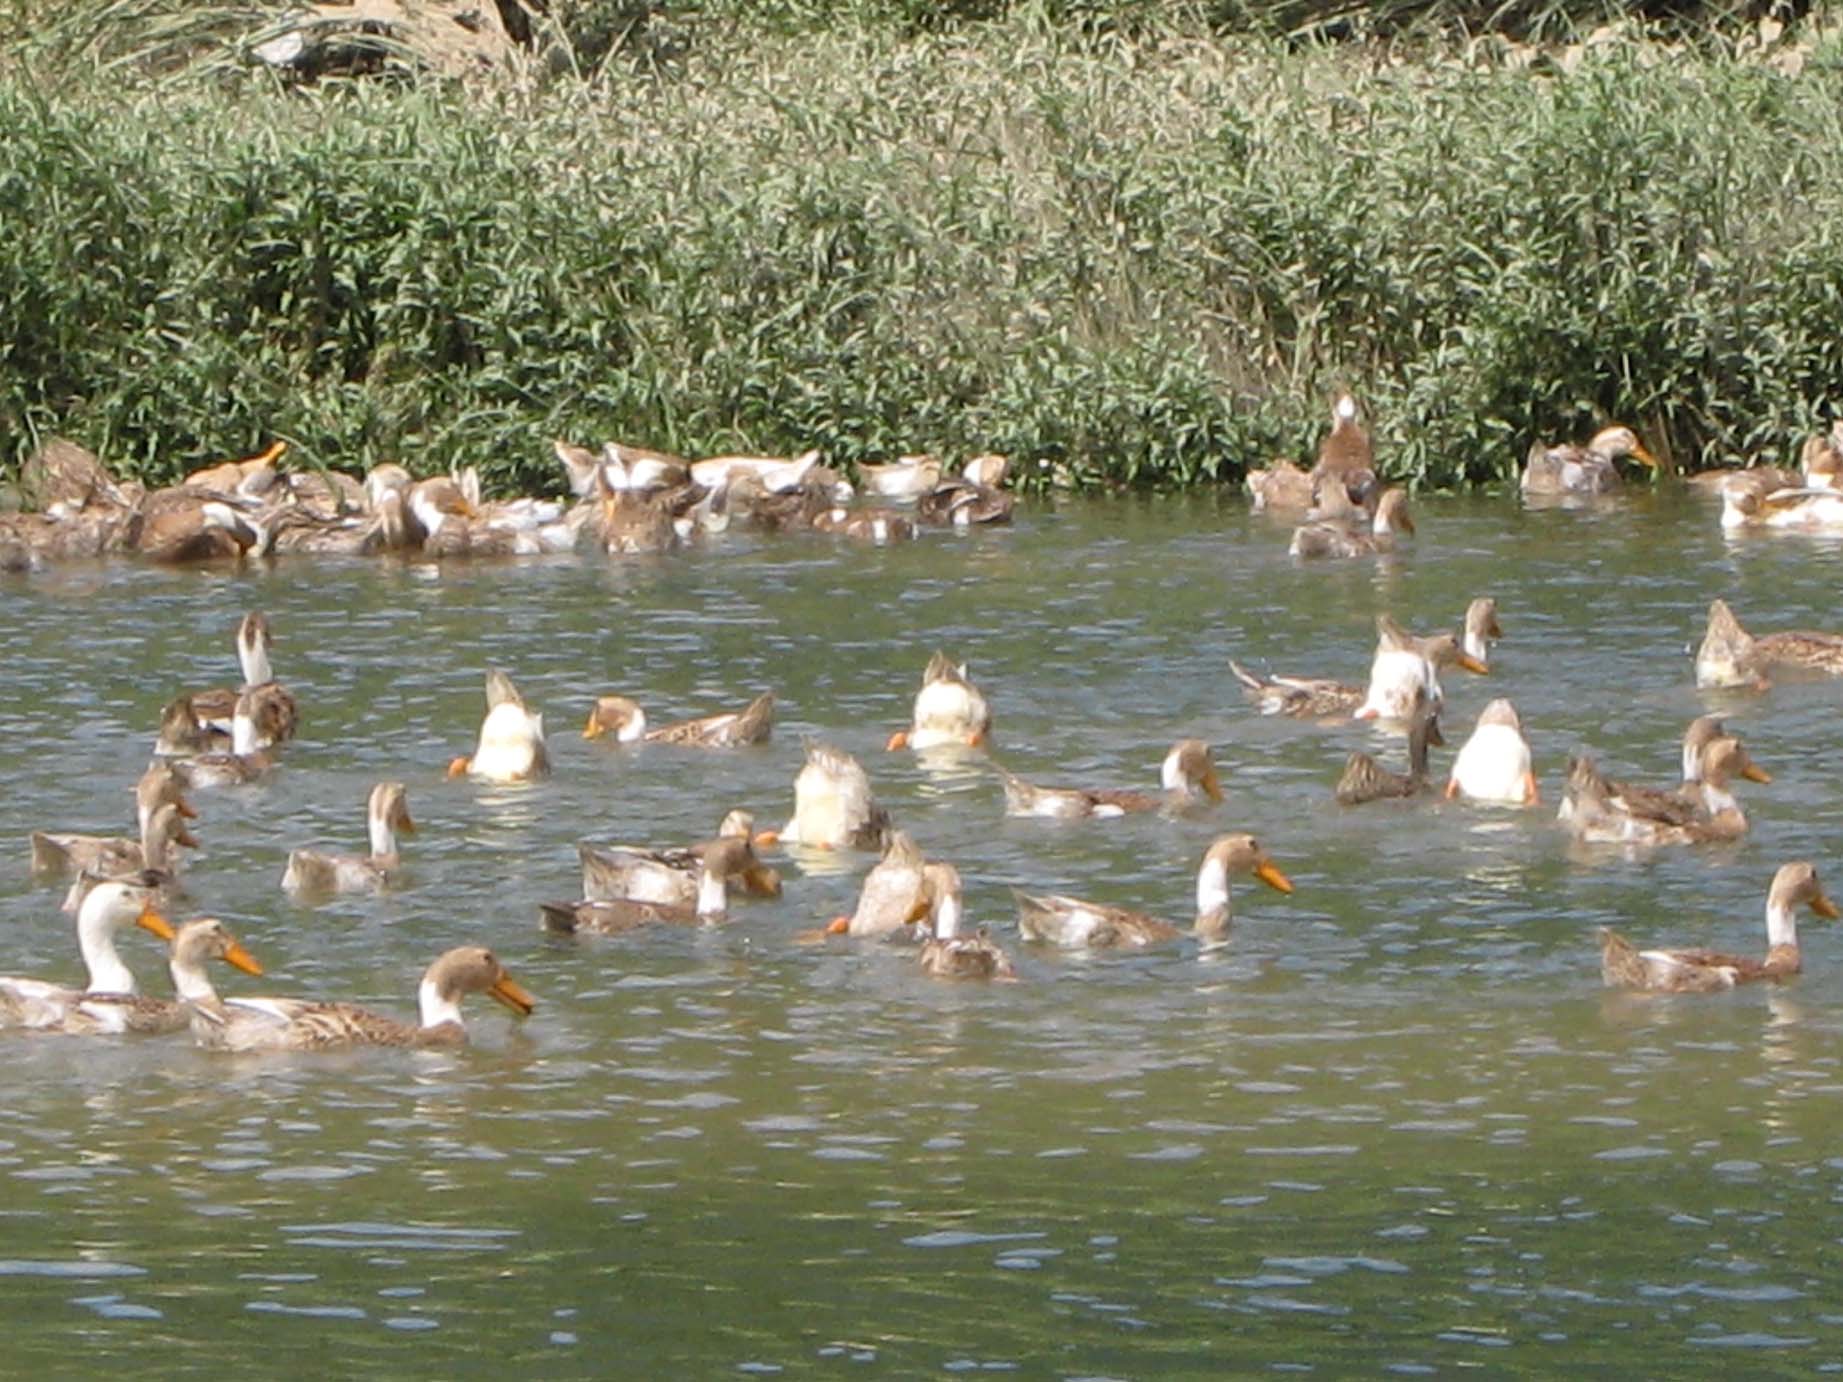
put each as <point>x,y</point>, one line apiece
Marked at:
<point>1396,1124</point>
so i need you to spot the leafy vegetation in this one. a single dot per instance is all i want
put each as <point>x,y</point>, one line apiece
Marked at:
<point>1143,253</point>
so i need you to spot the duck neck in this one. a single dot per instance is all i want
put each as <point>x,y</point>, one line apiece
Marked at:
<point>1419,732</point>
<point>96,940</point>
<point>191,984</point>
<point>1172,777</point>
<point>633,729</point>
<point>255,660</point>
<point>242,734</point>
<point>1716,798</point>
<point>1781,928</point>
<point>1475,646</point>
<point>946,916</point>
<point>383,838</point>
<point>1692,764</point>
<point>436,1007</point>
<point>713,895</point>
<point>1212,898</point>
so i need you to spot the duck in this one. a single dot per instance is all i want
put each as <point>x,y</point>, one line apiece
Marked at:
<point>1366,780</point>
<point>279,714</point>
<point>718,861</point>
<point>622,717</point>
<point>1729,656</point>
<point>296,1024</point>
<point>434,503</point>
<point>1403,662</point>
<point>511,746</point>
<point>1749,504</point>
<point>1346,453</point>
<point>1702,731</point>
<point>1282,485</point>
<point>1074,924</point>
<point>56,853</point>
<point>1335,539</point>
<point>908,477</point>
<point>893,894</point>
<point>183,735</point>
<point>1567,469</point>
<point>946,954</point>
<point>612,873</point>
<point>1302,698</point>
<point>46,1006</point>
<point>1187,777</point>
<point>1479,630</point>
<point>1624,965</point>
<point>950,711</point>
<point>387,811</point>
<point>1494,764</point>
<point>834,807</point>
<point>964,503</point>
<point>1600,812</point>
<point>246,761</point>
<point>184,524</point>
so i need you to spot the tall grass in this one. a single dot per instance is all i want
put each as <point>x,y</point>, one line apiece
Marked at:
<point>1146,260</point>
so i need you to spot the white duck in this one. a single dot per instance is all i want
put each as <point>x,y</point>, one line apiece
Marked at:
<point>1494,765</point>
<point>511,747</point>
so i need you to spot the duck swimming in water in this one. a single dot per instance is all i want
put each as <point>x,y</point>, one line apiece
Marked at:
<point>1729,656</point>
<point>949,710</point>
<point>511,747</point>
<point>1581,471</point>
<point>1074,924</point>
<point>1187,778</point>
<point>1623,965</point>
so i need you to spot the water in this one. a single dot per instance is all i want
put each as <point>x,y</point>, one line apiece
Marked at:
<point>1395,1125</point>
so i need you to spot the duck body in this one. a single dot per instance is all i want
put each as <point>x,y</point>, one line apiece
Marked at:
<point>511,747</point>
<point>1705,811</point>
<point>1338,539</point>
<point>1281,486</point>
<point>1302,698</point>
<point>719,861</point>
<point>106,1003</point>
<point>893,894</point>
<point>622,717</point>
<point>834,807</point>
<point>1494,764</point>
<point>612,873</point>
<point>950,711</point>
<point>1187,776</point>
<point>1366,780</point>
<point>1623,965</point>
<point>109,857</point>
<point>946,954</point>
<point>962,503</point>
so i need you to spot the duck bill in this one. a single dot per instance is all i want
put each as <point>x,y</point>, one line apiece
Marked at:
<point>458,767</point>
<point>1824,907</point>
<point>1272,877</point>
<point>405,824</point>
<point>594,729</point>
<point>1473,665</point>
<point>239,958</point>
<point>1644,457</point>
<point>898,740</point>
<point>513,995</point>
<point>767,839</point>
<point>151,920</point>
<point>1753,772</point>
<point>1211,784</point>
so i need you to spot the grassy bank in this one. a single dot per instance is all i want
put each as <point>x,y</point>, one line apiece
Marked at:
<point>1149,260</point>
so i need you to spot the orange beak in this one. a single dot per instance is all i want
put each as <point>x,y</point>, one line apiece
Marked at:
<point>239,958</point>
<point>1644,457</point>
<point>898,740</point>
<point>594,729</point>
<point>405,824</point>
<point>1473,665</point>
<point>1824,907</point>
<point>459,766</point>
<point>1272,877</point>
<point>838,926</point>
<point>513,995</point>
<point>976,740</point>
<point>767,839</point>
<point>150,920</point>
<point>1753,772</point>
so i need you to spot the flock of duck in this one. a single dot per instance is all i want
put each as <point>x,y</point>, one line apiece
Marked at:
<point>230,735</point>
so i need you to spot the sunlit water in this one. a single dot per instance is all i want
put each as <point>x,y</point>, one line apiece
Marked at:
<point>1395,1124</point>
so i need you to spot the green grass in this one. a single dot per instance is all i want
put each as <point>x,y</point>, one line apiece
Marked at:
<point>1147,259</point>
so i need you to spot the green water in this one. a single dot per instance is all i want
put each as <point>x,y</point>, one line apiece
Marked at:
<point>1395,1125</point>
